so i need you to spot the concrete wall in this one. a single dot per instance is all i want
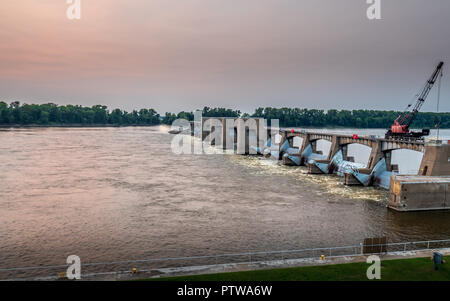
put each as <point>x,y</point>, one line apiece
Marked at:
<point>413,193</point>
<point>436,160</point>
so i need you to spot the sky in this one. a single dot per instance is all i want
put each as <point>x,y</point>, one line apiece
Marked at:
<point>174,55</point>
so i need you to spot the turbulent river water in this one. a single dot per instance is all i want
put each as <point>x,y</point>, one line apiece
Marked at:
<point>120,193</point>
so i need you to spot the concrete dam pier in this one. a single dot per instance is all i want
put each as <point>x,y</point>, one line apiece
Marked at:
<point>428,190</point>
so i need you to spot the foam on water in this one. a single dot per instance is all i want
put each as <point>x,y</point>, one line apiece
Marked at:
<point>331,184</point>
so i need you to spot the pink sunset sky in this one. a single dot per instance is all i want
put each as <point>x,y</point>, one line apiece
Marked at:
<point>175,55</point>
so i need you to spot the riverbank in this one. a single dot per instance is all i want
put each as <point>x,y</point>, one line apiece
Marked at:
<point>412,269</point>
<point>395,266</point>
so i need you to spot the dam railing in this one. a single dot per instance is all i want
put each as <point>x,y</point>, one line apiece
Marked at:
<point>157,266</point>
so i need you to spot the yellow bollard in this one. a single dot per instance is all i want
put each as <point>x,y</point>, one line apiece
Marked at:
<point>62,275</point>
<point>322,257</point>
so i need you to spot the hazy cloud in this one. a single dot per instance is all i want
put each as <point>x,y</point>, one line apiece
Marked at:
<point>183,54</point>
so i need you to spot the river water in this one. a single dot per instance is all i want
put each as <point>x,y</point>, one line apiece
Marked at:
<point>120,193</point>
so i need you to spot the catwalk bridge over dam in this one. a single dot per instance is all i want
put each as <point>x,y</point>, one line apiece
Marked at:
<point>428,189</point>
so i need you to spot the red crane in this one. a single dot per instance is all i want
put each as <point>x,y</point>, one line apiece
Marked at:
<point>400,128</point>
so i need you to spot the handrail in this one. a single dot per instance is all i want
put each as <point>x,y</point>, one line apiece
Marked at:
<point>350,247</point>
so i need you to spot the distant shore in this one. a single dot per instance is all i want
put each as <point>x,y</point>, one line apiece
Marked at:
<point>81,125</point>
<point>75,125</point>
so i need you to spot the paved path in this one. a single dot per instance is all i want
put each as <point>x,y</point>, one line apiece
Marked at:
<point>239,267</point>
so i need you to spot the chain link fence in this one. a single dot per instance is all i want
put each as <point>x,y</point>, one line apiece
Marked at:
<point>155,266</point>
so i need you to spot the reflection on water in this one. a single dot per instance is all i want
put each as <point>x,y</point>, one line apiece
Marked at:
<point>119,193</point>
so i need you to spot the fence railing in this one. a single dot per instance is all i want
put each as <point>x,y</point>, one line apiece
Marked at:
<point>276,257</point>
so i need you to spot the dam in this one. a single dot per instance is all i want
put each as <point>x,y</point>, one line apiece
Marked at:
<point>252,136</point>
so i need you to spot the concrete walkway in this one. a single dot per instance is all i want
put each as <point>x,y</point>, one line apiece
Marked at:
<point>239,267</point>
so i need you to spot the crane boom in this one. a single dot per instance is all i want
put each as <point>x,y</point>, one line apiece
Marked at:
<point>400,128</point>
<point>426,90</point>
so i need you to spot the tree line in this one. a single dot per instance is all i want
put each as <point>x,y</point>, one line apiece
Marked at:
<point>53,114</point>
<point>296,117</point>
